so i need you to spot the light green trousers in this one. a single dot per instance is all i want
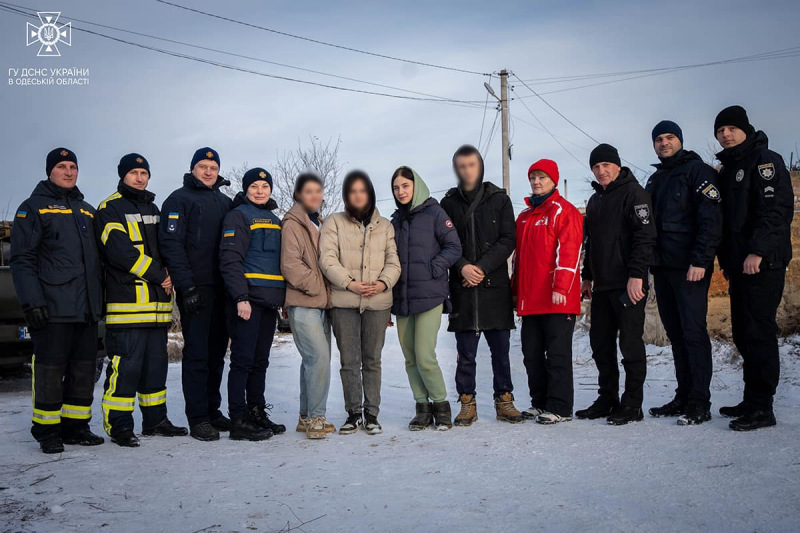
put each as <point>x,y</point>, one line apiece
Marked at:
<point>418,340</point>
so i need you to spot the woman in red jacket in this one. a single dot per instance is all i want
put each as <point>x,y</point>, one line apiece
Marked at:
<point>546,287</point>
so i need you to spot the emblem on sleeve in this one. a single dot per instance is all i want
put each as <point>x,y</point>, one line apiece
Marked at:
<point>766,171</point>
<point>740,175</point>
<point>643,212</point>
<point>711,193</point>
<point>448,223</point>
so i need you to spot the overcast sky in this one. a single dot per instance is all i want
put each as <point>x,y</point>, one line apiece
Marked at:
<point>166,107</point>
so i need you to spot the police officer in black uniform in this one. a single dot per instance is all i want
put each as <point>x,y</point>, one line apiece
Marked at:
<point>138,307</point>
<point>57,276</point>
<point>686,205</point>
<point>189,241</point>
<point>619,238</point>
<point>757,209</point>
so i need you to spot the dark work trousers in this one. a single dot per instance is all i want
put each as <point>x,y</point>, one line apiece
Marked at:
<point>360,337</point>
<point>683,306</point>
<point>205,343</point>
<point>251,341</point>
<point>547,354</point>
<point>467,347</point>
<point>138,366</point>
<point>754,304</point>
<point>609,317</point>
<point>63,368</point>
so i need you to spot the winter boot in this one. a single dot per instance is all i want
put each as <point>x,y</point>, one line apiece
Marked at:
<point>316,428</point>
<point>695,415</point>
<point>532,412</point>
<point>442,417</point>
<point>82,436</point>
<point>624,414</point>
<point>126,439</point>
<point>674,407</point>
<point>221,422</point>
<point>259,415</point>
<point>506,412</point>
<point>353,423</point>
<point>735,411</point>
<point>754,420</point>
<point>302,425</point>
<point>52,444</point>
<point>165,429</point>
<point>371,425</point>
<point>243,427</point>
<point>204,432</point>
<point>469,410</point>
<point>424,417</point>
<point>601,408</point>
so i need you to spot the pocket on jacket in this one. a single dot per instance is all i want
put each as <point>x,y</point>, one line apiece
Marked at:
<point>271,241</point>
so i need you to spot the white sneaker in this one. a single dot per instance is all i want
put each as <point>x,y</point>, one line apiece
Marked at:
<point>371,425</point>
<point>551,418</point>
<point>532,412</point>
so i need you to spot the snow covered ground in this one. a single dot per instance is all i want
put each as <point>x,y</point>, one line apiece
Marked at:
<point>578,476</point>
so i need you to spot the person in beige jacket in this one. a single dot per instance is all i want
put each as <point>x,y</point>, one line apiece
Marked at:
<point>307,303</point>
<point>358,255</point>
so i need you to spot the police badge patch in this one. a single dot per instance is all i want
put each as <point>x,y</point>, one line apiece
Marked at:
<point>740,175</point>
<point>711,193</point>
<point>766,171</point>
<point>643,212</point>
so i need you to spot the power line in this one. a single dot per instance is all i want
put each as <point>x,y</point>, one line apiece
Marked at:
<point>490,138</point>
<point>323,43</point>
<point>483,120</point>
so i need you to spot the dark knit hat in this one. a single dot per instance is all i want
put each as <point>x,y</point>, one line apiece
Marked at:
<point>604,153</point>
<point>57,156</point>
<point>204,153</point>
<point>734,115</point>
<point>131,161</point>
<point>547,166</point>
<point>253,175</point>
<point>667,126</point>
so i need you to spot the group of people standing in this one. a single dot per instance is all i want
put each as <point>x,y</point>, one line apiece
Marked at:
<point>232,265</point>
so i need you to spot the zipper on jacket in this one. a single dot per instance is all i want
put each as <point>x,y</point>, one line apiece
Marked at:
<point>363,248</point>
<point>475,253</point>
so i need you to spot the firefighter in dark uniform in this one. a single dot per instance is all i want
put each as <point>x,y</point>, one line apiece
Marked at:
<point>686,206</point>
<point>619,237</point>
<point>58,279</point>
<point>189,242</point>
<point>138,307</point>
<point>757,211</point>
<point>250,262</point>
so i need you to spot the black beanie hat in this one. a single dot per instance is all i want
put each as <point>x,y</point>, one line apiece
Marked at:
<point>604,153</point>
<point>57,156</point>
<point>131,161</point>
<point>734,115</point>
<point>667,126</point>
<point>253,175</point>
<point>204,153</point>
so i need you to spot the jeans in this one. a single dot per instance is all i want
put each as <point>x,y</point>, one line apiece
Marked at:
<point>417,334</point>
<point>467,347</point>
<point>311,330</point>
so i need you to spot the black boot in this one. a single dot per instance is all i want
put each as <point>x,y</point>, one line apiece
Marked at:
<point>353,423</point>
<point>674,408</point>
<point>245,428</point>
<point>204,431</point>
<point>734,411</point>
<point>695,414</point>
<point>754,420</point>
<point>52,444</point>
<point>82,436</point>
<point>601,408</point>
<point>126,439</point>
<point>259,415</point>
<point>166,429</point>
<point>442,417</point>
<point>424,417</point>
<point>623,415</point>
<point>221,422</point>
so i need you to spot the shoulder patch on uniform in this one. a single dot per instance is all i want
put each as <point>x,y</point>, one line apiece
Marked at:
<point>711,192</point>
<point>448,223</point>
<point>643,212</point>
<point>229,233</point>
<point>174,216</point>
<point>766,171</point>
<point>22,214</point>
<point>172,223</point>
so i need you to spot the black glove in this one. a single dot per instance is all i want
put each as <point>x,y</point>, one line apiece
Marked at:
<point>192,300</point>
<point>37,317</point>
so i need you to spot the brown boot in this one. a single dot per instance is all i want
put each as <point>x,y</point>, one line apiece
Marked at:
<point>469,410</point>
<point>504,405</point>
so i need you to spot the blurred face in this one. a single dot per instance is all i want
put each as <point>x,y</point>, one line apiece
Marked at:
<point>310,196</point>
<point>541,183</point>
<point>468,168</point>
<point>207,171</point>
<point>258,192</point>
<point>358,197</point>
<point>666,145</point>
<point>65,174</point>
<point>138,178</point>
<point>605,173</point>
<point>403,190</point>
<point>730,136</point>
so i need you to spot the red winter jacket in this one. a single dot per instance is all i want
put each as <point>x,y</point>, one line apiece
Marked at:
<point>549,239</point>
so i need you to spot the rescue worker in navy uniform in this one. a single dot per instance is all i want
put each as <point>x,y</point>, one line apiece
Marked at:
<point>138,307</point>
<point>58,279</point>
<point>189,242</point>
<point>757,211</point>
<point>688,218</point>
<point>250,262</point>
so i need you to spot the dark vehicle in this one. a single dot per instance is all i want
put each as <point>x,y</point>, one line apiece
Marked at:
<point>16,347</point>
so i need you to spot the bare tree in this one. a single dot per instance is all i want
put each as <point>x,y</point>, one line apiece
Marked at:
<point>235,176</point>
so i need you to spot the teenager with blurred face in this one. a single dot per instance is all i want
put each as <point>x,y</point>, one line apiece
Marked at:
<point>358,256</point>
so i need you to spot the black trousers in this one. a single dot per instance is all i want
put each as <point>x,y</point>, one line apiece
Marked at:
<point>754,305</point>
<point>138,366</point>
<point>251,341</point>
<point>205,343</point>
<point>466,367</point>
<point>609,317</point>
<point>63,368</point>
<point>547,355</point>
<point>683,306</point>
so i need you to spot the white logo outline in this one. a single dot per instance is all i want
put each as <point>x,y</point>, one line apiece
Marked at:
<point>49,34</point>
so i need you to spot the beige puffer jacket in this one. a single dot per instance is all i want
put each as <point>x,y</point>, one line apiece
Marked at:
<point>351,252</point>
<point>305,284</point>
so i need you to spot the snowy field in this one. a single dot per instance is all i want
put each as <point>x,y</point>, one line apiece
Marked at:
<point>578,476</point>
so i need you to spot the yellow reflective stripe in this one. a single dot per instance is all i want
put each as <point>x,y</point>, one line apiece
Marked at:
<point>139,318</point>
<point>117,403</point>
<point>264,226</point>
<point>112,387</point>
<point>164,307</point>
<point>87,213</point>
<point>255,275</point>
<point>156,398</point>
<point>46,417</point>
<point>133,229</point>
<point>111,226</point>
<point>80,412</point>
<point>142,292</point>
<point>62,211</point>
<point>141,265</point>
<point>112,197</point>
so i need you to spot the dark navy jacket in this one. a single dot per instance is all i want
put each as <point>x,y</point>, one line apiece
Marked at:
<point>428,245</point>
<point>189,232</point>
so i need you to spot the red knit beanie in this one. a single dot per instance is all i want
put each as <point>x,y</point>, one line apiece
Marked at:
<point>547,166</point>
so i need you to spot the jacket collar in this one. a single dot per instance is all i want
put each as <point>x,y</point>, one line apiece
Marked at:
<point>298,213</point>
<point>50,189</point>
<point>135,195</point>
<point>553,196</point>
<point>191,182</point>
<point>625,177</point>
<point>681,156</point>
<point>241,199</point>
<point>756,140</point>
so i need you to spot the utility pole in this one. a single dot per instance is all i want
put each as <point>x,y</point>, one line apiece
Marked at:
<point>504,125</point>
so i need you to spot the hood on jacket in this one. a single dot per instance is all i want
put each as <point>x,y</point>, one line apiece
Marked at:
<point>347,184</point>
<point>189,180</point>
<point>625,177</point>
<point>51,190</point>
<point>421,191</point>
<point>241,198</point>
<point>464,150</point>
<point>756,140</point>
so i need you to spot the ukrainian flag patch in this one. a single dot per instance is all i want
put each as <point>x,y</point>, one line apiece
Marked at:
<point>22,214</point>
<point>173,216</point>
<point>228,233</point>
